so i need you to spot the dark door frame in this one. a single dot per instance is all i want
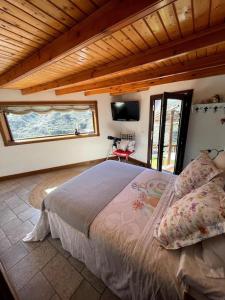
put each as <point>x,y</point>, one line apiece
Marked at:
<point>186,107</point>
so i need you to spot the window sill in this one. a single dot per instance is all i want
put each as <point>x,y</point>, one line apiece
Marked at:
<point>49,139</point>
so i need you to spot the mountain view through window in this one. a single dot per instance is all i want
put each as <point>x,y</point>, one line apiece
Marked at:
<point>36,125</point>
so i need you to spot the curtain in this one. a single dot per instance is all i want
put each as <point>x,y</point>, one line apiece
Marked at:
<point>44,109</point>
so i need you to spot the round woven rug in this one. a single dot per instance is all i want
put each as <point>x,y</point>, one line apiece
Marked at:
<point>50,183</point>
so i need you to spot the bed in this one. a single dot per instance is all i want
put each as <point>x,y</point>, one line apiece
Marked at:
<point>118,245</point>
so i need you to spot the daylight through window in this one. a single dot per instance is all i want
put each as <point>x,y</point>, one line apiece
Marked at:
<point>37,123</point>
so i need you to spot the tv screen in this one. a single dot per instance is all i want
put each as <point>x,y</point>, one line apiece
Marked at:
<point>125,111</point>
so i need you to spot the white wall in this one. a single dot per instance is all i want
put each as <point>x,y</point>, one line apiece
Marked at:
<point>29,157</point>
<point>203,89</point>
<point>205,131</point>
<point>23,158</point>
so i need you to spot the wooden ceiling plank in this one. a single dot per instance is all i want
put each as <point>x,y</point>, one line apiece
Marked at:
<point>52,10</point>
<point>166,70</point>
<point>14,43</point>
<point>174,48</point>
<point>16,30</point>
<point>170,22</point>
<point>16,38</point>
<point>134,36</point>
<point>10,53</point>
<point>82,59</point>
<point>70,9</point>
<point>213,71</point>
<point>39,14</point>
<point>111,41</point>
<point>101,52</point>
<point>184,14</point>
<point>12,50</point>
<point>94,55</point>
<point>103,45</point>
<point>2,64</point>
<point>71,61</point>
<point>77,38</point>
<point>24,26</point>
<point>24,16</point>
<point>157,28</point>
<point>13,47</point>
<point>217,12</point>
<point>67,63</point>
<point>125,41</point>
<point>144,31</point>
<point>56,68</point>
<point>7,59</point>
<point>201,14</point>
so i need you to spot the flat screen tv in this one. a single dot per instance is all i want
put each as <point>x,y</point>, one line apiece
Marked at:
<point>125,111</point>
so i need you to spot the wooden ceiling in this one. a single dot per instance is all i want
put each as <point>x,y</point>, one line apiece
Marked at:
<point>112,46</point>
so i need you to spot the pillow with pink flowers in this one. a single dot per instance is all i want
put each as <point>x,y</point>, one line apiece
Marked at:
<point>198,172</point>
<point>197,216</point>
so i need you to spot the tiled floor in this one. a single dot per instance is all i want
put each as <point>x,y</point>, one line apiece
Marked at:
<point>40,270</point>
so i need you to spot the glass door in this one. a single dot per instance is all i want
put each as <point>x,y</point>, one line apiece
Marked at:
<point>155,133</point>
<point>169,115</point>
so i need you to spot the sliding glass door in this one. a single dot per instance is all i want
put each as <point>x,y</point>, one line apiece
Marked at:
<point>169,115</point>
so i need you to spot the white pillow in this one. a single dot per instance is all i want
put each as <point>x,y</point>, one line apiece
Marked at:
<point>122,145</point>
<point>131,146</point>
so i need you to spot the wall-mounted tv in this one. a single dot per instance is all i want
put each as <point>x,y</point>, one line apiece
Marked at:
<point>125,111</point>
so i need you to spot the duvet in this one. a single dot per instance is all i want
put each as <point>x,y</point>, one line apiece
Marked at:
<point>121,249</point>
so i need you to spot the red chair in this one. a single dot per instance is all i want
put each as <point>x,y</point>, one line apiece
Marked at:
<point>122,154</point>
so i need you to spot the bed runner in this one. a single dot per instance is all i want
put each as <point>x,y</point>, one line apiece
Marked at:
<point>82,198</point>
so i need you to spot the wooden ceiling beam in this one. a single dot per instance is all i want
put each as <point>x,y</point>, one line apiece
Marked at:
<point>196,41</point>
<point>129,91</point>
<point>119,89</point>
<point>200,63</point>
<point>213,71</point>
<point>101,23</point>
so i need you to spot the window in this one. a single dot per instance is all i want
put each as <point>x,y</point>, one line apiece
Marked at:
<point>22,124</point>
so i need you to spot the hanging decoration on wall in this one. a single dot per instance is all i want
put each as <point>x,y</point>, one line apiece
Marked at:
<point>215,103</point>
<point>204,108</point>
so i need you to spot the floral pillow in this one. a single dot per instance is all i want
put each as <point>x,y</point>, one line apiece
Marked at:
<point>198,172</point>
<point>196,217</point>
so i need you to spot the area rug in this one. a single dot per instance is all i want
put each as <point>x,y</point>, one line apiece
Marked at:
<point>50,183</point>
